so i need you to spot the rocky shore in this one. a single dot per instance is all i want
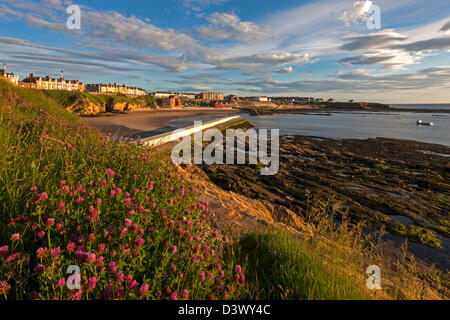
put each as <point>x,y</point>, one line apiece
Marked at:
<point>256,109</point>
<point>401,186</point>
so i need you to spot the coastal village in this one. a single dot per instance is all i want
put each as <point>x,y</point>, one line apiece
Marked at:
<point>169,99</point>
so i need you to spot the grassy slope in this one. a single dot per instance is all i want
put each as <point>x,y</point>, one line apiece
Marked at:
<point>67,98</point>
<point>62,184</point>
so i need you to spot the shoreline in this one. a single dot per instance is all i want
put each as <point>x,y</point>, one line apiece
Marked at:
<point>388,183</point>
<point>145,123</point>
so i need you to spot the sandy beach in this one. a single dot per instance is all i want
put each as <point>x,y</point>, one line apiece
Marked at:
<point>146,123</point>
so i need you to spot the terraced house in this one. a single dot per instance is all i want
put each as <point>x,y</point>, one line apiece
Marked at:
<point>48,83</point>
<point>10,77</point>
<point>115,89</point>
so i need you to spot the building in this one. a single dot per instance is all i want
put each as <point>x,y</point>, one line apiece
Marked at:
<point>162,94</point>
<point>320,100</point>
<point>212,96</point>
<point>260,98</point>
<point>10,77</point>
<point>114,88</point>
<point>231,98</point>
<point>48,83</point>
<point>187,96</point>
<point>331,100</point>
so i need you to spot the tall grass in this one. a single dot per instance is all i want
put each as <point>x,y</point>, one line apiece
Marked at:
<point>120,212</point>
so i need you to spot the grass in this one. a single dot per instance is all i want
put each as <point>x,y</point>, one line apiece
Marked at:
<point>120,212</point>
<point>67,98</point>
<point>278,268</point>
<point>131,221</point>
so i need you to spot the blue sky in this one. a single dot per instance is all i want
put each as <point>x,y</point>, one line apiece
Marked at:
<point>247,47</point>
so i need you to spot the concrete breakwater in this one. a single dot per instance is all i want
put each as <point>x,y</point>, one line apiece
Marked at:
<point>173,136</point>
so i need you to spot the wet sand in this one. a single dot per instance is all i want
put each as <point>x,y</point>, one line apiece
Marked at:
<point>147,123</point>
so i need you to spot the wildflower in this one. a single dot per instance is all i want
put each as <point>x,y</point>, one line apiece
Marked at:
<point>103,182</point>
<point>79,187</point>
<point>15,237</point>
<point>65,189</point>
<point>143,290</point>
<point>77,295</point>
<point>139,242</point>
<point>242,279</point>
<point>127,201</point>
<point>100,260</point>
<point>92,282</point>
<point>202,276</point>
<point>174,296</point>
<point>94,214</point>
<point>50,222</point>
<point>119,277</point>
<point>112,193</point>
<point>61,283</point>
<point>123,233</point>
<point>34,188</point>
<point>238,268</point>
<point>43,196</point>
<point>41,234</point>
<point>185,294</point>
<point>91,237</point>
<point>55,252</point>
<point>62,183</point>
<point>133,284</point>
<point>91,258</point>
<point>80,199</point>
<point>39,268</point>
<point>70,246</point>
<point>61,206</point>
<point>174,249</point>
<point>112,267</point>
<point>101,248</point>
<point>41,253</point>
<point>110,173</point>
<point>3,251</point>
<point>4,287</point>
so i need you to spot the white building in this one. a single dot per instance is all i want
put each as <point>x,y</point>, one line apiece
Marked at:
<point>260,98</point>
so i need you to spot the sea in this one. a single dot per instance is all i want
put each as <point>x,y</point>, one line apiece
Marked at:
<point>362,124</point>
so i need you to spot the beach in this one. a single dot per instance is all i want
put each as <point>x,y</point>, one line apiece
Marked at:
<point>146,123</point>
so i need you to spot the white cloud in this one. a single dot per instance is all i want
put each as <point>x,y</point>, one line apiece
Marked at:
<point>229,26</point>
<point>357,13</point>
<point>41,23</point>
<point>372,40</point>
<point>389,59</point>
<point>446,27</point>
<point>284,70</point>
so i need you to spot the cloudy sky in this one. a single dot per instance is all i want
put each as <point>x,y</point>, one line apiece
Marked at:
<point>323,48</point>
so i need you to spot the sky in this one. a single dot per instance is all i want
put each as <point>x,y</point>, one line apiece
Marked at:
<point>380,51</point>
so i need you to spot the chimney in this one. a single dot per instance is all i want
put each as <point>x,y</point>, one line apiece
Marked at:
<point>4,68</point>
<point>62,74</point>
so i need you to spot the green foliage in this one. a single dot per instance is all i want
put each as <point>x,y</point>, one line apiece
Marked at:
<point>278,267</point>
